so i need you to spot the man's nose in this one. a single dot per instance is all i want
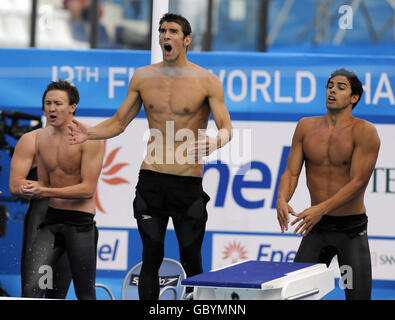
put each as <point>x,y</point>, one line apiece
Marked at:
<point>51,107</point>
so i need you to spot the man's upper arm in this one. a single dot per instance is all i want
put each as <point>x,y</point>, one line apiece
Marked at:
<point>367,145</point>
<point>216,100</point>
<point>43,175</point>
<point>295,157</point>
<point>22,161</point>
<point>131,105</point>
<point>91,163</point>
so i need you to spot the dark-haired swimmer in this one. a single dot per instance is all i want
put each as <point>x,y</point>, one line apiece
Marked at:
<point>339,152</point>
<point>178,94</point>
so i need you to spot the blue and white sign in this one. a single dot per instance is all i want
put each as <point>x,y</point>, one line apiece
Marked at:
<point>260,86</point>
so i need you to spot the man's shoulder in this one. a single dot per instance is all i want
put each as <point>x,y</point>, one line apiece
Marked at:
<point>204,73</point>
<point>145,71</point>
<point>306,121</point>
<point>206,78</point>
<point>28,140</point>
<point>93,145</point>
<point>362,125</point>
<point>307,124</point>
<point>30,137</point>
<point>47,130</point>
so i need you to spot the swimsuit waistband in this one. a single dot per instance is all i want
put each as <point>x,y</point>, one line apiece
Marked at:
<point>145,173</point>
<point>342,223</point>
<point>71,217</point>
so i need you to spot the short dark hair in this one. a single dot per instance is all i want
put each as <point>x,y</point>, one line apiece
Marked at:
<point>356,84</point>
<point>63,85</point>
<point>183,22</point>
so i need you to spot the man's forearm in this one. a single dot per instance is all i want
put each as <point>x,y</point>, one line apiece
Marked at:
<point>223,137</point>
<point>79,191</point>
<point>286,188</point>
<point>342,196</point>
<point>109,128</point>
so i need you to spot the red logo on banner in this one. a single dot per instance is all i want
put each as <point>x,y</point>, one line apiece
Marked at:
<point>107,176</point>
<point>235,251</point>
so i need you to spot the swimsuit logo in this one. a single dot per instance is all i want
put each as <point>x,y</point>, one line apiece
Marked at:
<point>235,251</point>
<point>111,170</point>
<point>164,281</point>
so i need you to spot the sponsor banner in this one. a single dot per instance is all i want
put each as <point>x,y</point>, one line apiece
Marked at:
<point>228,249</point>
<point>267,84</point>
<point>112,250</point>
<point>383,258</point>
<point>232,248</point>
<point>241,178</point>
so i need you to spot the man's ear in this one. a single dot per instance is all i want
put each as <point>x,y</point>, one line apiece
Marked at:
<point>354,98</point>
<point>73,108</point>
<point>188,40</point>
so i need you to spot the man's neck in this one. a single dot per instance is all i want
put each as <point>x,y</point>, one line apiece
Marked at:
<point>180,62</point>
<point>62,129</point>
<point>338,119</point>
<point>175,69</point>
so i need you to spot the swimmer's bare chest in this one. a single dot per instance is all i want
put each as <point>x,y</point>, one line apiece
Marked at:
<point>182,100</point>
<point>331,148</point>
<point>175,106</point>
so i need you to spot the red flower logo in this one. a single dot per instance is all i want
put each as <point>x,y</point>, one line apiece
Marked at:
<point>235,251</point>
<point>107,176</point>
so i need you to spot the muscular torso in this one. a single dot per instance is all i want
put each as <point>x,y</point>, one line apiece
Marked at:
<point>62,163</point>
<point>176,104</point>
<point>328,156</point>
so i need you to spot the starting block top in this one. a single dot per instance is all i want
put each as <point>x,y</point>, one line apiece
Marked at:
<point>248,274</point>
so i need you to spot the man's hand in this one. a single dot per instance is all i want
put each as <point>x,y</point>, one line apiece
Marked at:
<point>283,212</point>
<point>30,190</point>
<point>204,146</point>
<point>78,133</point>
<point>309,218</point>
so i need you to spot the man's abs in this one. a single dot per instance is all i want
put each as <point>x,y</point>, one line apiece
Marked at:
<point>192,170</point>
<point>85,205</point>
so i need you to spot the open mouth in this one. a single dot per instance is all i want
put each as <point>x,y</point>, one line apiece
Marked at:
<point>52,117</point>
<point>167,47</point>
<point>330,98</point>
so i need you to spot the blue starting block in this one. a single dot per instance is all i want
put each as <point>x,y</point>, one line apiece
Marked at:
<point>260,280</point>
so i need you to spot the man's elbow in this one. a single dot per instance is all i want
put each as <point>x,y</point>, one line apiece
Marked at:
<point>120,124</point>
<point>225,136</point>
<point>361,184</point>
<point>89,193</point>
<point>230,134</point>
<point>14,187</point>
<point>14,190</point>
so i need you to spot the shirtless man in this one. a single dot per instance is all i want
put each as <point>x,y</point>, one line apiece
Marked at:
<point>68,177</point>
<point>178,94</point>
<point>23,169</point>
<point>339,152</point>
